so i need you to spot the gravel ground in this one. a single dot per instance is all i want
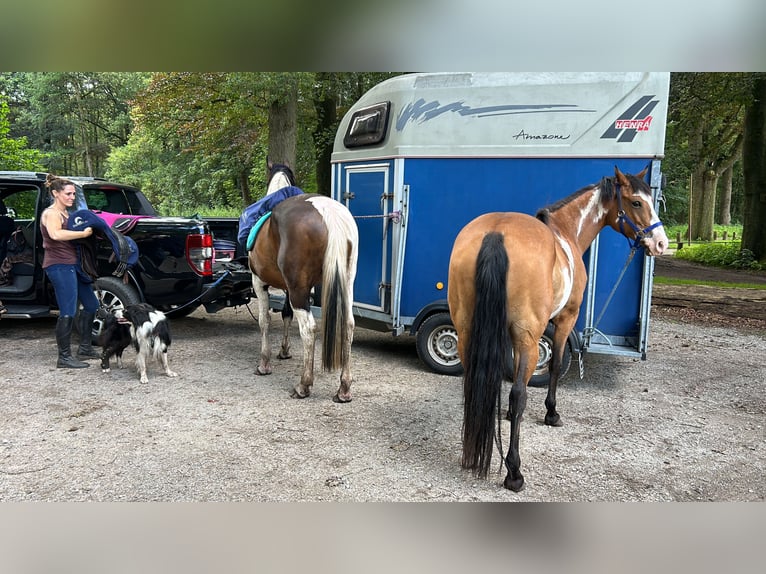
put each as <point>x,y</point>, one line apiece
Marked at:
<point>685,425</point>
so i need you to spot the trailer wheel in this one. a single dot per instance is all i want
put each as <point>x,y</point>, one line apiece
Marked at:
<point>542,375</point>
<point>436,343</point>
<point>112,294</point>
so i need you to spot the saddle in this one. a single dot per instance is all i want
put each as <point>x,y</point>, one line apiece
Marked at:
<point>124,248</point>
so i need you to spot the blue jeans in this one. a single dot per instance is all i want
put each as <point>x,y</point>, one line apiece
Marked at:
<point>72,285</point>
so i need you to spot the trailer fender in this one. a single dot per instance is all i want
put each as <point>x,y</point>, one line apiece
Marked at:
<point>439,306</point>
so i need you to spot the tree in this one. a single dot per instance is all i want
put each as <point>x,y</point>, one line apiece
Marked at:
<point>706,119</point>
<point>14,153</point>
<point>754,166</point>
<point>76,118</point>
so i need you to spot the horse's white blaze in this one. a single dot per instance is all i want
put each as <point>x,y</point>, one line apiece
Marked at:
<point>568,275</point>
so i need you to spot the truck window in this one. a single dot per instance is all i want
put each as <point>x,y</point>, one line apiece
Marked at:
<point>111,200</point>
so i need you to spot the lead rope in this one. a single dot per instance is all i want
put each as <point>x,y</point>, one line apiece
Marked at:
<point>614,289</point>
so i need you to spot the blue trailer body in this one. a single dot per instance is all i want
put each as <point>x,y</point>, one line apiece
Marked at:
<point>493,142</point>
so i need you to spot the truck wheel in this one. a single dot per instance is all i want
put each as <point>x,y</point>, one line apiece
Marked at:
<point>113,294</point>
<point>542,375</point>
<point>436,343</point>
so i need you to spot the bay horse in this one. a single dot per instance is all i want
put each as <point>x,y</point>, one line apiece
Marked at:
<point>509,275</point>
<point>308,240</point>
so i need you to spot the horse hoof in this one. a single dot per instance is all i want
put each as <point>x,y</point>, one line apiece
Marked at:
<point>554,421</point>
<point>287,356</point>
<point>262,371</point>
<point>338,398</point>
<point>296,394</point>
<point>516,485</point>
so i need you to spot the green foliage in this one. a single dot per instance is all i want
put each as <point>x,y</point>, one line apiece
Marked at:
<point>720,255</point>
<point>75,118</point>
<point>14,153</point>
<point>732,231</point>
<point>673,281</point>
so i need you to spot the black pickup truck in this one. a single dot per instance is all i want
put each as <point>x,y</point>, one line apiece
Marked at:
<point>181,264</point>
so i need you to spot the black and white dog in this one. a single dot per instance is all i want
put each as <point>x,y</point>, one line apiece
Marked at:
<point>142,325</point>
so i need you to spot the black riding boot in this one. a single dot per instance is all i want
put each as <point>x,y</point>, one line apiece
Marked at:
<point>86,351</point>
<point>63,337</point>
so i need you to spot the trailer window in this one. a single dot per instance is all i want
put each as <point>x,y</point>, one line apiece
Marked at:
<point>368,126</point>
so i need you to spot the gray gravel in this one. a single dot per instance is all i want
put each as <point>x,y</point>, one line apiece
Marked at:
<point>685,425</point>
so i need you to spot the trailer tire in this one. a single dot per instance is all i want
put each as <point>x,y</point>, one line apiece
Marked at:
<point>436,343</point>
<point>542,376</point>
<point>112,294</point>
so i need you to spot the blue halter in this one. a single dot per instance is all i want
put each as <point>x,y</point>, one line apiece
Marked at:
<point>623,218</point>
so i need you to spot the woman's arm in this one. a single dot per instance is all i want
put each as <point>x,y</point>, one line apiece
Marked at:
<point>52,221</point>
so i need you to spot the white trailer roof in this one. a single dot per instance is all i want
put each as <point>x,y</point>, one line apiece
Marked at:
<point>514,115</point>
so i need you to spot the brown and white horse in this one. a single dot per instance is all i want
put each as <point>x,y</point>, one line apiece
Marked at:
<point>509,275</point>
<point>308,240</point>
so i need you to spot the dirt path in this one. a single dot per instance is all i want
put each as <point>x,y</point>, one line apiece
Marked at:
<point>685,425</point>
<point>713,305</point>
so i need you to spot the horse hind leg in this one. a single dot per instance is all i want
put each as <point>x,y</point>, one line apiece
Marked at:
<point>514,480</point>
<point>344,391</point>
<point>563,328</point>
<point>264,321</point>
<point>287,320</point>
<point>307,327</point>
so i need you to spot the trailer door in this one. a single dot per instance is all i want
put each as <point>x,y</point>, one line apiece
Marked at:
<point>368,193</point>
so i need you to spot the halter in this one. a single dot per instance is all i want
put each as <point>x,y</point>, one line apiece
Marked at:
<point>623,218</point>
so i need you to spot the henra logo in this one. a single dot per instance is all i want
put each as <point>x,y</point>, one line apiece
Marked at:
<point>638,125</point>
<point>637,118</point>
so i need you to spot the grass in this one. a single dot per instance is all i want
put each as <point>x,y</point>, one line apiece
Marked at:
<point>671,281</point>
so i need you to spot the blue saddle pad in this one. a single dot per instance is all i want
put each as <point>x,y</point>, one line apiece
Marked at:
<point>255,229</point>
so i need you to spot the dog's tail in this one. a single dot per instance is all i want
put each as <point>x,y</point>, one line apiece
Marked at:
<point>160,336</point>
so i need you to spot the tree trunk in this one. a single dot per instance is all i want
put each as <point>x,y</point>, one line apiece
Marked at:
<point>283,128</point>
<point>754,169</point>
<point>703,204</point>
<point>724,197</point>
<point>244,187</point>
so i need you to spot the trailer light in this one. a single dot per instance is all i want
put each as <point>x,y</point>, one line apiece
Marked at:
<point>439,285</point>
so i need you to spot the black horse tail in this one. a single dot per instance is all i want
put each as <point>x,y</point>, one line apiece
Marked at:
<point>488,355</point>
<point>338,276</point>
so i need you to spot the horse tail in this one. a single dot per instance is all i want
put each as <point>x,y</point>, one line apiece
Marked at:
<point>338,274</point>
<point>487,355</point>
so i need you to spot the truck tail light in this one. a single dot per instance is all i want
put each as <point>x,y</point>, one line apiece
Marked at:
<point>199,253</point>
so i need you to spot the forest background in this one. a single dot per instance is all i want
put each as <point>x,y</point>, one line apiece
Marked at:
<point>196,143</point>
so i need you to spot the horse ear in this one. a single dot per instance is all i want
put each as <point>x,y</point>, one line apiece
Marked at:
<point>621,179</point>
<point>269,165</point>
<point>642,174</point>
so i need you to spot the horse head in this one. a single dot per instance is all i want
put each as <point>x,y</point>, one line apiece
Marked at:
<point>634,214</point>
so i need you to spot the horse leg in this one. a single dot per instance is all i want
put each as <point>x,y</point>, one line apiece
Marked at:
<point>307,327</point>
<point>563,327</point>
<point>514,480</point>
<point>264,320</point>
<point>287,320</point>
<point>344,391</point>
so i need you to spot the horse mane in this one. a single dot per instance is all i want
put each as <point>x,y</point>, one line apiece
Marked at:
<point>607,188</point>
<point>544,213</point>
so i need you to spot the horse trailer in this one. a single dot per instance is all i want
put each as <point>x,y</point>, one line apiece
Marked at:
<point>421,155</point>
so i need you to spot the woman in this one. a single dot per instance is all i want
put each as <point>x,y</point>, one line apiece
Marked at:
<point>63,268</point>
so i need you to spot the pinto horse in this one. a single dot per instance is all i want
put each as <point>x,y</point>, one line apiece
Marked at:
<point>509,275</point>
<point>308,240</point>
